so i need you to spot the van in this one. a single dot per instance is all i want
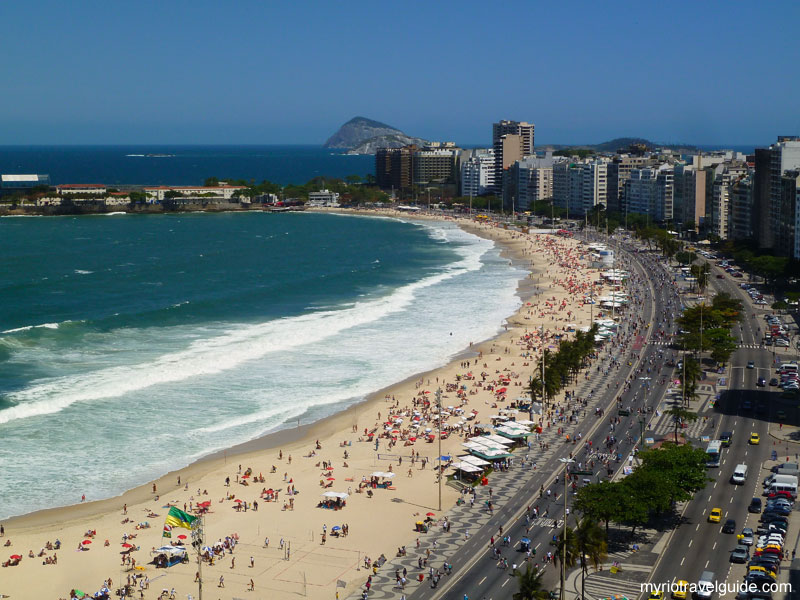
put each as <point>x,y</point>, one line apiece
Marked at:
<point>786,464</point>
<point>705,585</point>
<point>739,474</point>
<point>788,470</point>
<point>791,488</point>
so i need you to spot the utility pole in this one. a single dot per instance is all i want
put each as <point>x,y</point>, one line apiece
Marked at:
<point>565,461</point>
<point>197,542</point>
<point>439,462</point>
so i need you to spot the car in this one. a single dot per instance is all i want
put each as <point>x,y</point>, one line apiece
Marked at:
<point>726,437</point>
<point>659,594</point>
<point>774,382</point>
<point>783,343</point>
<point>715,516</point>
<point>746,537</point>
<point>751,364</point>
<point>761,382</point>
<point>729,526</point>
<point>755,506</point>
<point>755,439</point>
<point>739,554</point>
<point>681,589</point>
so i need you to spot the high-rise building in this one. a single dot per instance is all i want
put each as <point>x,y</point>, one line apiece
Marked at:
<point>527,181</point>
<point>394,168</point>
<point>741,209</point>
<point>477,172</point>
<point>719,210</point>
<point>580,186</point>
<point>619,170</point>
<point>434,165</point>
<point>512,141</point>
<point>788,232</point>
<point>649,191</point>
<point>784,156</point>
<point>762,206</point>
<point>689,200</point>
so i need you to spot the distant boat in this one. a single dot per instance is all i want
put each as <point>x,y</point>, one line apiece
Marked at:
<point>134,155</point>
<point>152,155</point>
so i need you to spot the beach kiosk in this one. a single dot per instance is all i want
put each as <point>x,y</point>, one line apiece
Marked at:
<point>168,556</point>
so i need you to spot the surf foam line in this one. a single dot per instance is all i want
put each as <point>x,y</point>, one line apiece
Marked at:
<point>224,352</point>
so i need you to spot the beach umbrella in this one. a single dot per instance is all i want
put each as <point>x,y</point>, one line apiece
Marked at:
<point>84,542</point>
<point>127,545</point>
<point>430,514</point>
<point>181,537</point>
<point>331,478</point>
<point>206,503</point>
<point>237,500</point>
<point>335,528</point>
<point>16,557</point>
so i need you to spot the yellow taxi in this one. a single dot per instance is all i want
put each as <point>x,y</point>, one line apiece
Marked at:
<point>680,590</point>
<point>760,569</point>
<point>755,439</point>
<point>715,516</point>
<point>656,595</point>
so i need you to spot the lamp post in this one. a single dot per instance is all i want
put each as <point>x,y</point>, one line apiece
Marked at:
<point>565,462</point>
<point>439,462</point>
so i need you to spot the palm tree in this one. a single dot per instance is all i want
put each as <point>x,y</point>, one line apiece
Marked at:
<point>530,585</point>
<point>692,372</point>
<point>701,272</point>
<point>679,415</point>
<point>592,547</point>
<point>567,552</point>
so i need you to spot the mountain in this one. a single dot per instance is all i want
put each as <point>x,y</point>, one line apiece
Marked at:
<point>364,136</point>
<point>624,143</point>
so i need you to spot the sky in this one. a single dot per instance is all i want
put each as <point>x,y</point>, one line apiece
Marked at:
<point>269,72</point>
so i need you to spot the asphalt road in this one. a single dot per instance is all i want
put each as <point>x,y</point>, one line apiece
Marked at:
<point>697,545</point>
<point>475,573</point>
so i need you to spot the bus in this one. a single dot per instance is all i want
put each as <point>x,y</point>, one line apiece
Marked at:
<point>713,453</point>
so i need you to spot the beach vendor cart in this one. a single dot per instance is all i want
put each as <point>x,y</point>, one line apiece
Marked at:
<point>422,527</point>
<point>524,544</point>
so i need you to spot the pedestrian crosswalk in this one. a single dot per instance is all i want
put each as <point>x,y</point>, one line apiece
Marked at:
<point>671,343</point>
<point>599,586</point>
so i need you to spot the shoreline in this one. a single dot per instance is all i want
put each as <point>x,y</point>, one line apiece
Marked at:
<point>284,435</point>
<point>390,512</point>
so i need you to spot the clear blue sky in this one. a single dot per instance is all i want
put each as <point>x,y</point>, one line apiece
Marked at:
<point>292,72</point>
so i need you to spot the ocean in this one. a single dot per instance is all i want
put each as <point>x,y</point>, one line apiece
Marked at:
<point>132,345</point>
<point>181,165</point>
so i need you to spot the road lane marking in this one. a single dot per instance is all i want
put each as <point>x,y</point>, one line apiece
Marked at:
<point>706,564</point>
<point>698,525</point>
<point>504,583</point>
<point>482,580</point>
<point>715,546</point>
<point>715,483</point>
<point>683,559</point>
<point>690,543</point>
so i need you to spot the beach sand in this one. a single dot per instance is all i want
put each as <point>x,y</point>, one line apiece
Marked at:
<point>552,295</point>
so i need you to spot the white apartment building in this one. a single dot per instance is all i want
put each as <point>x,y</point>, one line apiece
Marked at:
<point>477,172</point>
<point>96,189</point>
<point>649,191</point>
<point>323,198</point>
<point>579,186</point>
<point>223,192</point>
<point>726,174</point>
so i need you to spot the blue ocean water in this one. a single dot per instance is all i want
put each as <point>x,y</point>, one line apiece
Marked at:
<point>131,345</point>
<point>182,165</point>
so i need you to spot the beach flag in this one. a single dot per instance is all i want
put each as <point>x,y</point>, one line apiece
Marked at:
<point>178,518</point>
<point>167,532</point>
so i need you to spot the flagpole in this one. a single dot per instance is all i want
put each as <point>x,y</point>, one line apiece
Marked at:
<point>198,544</point>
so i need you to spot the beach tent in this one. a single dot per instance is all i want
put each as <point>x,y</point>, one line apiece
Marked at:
<point>340,495</point>
<point>474,461</point>
<point>499,439</point>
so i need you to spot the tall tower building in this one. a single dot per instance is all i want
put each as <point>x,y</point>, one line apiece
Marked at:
<point>512,141</point>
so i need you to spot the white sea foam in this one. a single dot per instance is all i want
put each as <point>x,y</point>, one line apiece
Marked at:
<point>83,272</point>
<point>239,344</point>
<point>29,327</point>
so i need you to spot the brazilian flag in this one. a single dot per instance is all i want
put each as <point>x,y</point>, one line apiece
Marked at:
<point>178,518</point>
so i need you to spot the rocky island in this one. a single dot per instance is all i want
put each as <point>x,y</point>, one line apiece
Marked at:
<point>364,136</point>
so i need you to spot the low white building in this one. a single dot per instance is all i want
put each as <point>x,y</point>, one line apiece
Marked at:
<point>97,189</point>
<point>323,198</point>
<point>219,192</point>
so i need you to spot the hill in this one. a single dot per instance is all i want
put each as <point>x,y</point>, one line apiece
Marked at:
<point>623,143</point>
<point>364,136</point>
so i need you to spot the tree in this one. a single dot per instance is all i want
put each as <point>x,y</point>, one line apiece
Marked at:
<point>592,548</point>
<point>701,272</point>
<point>679,415</point>
<point>684,467</point>
<point>685,258</point>
<point>600,502</point>
<point>211,182</point>
<point>636,503</point>
<point>779,305</point>
<point>722,344</point>
<point>529,584</point>
<point>353,179</point>
<point>689,375</point>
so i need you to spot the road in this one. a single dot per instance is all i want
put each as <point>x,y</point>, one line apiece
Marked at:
<point>697,545</point>
<point>475,573</point>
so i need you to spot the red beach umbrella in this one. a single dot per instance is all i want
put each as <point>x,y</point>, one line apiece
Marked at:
<point>331,478</point>
<point>84,542</point>
<point>181,537</point>
<point>126,545</point>
<point>430,514</point>
<point>237,500</point>
<point>15,557</point>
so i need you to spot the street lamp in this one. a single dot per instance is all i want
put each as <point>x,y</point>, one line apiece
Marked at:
<point>565,462</point>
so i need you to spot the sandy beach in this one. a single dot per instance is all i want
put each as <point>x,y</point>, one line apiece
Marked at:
<point>285,543</point>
